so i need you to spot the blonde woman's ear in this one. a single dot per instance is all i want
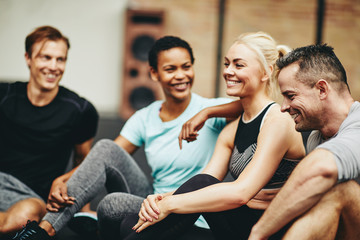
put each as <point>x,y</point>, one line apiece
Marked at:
<point>267,73</point>
<point>271,67</point>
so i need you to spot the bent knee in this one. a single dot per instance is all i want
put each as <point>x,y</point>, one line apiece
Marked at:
<point>32,209</point>
<point>197,182</point>
<point>342,194</point>
<point>107,205</point>
<point>103,142</point>
<point>19,214</point>
<point>345,190</point>
<point>104,206</point>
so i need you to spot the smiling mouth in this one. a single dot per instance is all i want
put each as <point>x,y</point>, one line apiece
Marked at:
<point>294,116</point>
<point>50,75</point>
<point>181,86</point>
<point>232,82</point>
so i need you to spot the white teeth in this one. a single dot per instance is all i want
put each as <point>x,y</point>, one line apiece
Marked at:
<point>294,116</point>
<point>180,85</point>
<point>51,75</point>
<point>231,82</point>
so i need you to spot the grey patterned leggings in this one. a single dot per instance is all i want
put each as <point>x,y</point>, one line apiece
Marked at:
<point>107,165</point>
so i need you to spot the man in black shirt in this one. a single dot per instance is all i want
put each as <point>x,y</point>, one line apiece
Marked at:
<point>41,125</point>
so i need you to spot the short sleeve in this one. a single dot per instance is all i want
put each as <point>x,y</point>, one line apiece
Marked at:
<point>345,147</point>
<point>346,151</point>
<point>88,123</point>
<point>134,128</point>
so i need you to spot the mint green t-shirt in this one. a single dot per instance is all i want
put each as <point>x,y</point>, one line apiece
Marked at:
<point>171,166</point>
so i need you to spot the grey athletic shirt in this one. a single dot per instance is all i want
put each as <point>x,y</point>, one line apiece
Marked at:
<point>345,144</point>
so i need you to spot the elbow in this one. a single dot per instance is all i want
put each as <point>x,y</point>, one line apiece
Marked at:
<point>324,167</point>
<point>319,172</point>
<point>240,199</point>
<point>239,194</point>
<point>320,164</point>
<point>327,171</point>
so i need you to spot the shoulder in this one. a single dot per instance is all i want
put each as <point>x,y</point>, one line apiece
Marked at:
<point>229,131</point>
<point>313,141</point>
<point>15,86</point>
<point>147,112</point>
<point>72,98</point>
<point>277,122</point>
<point>4,89</point>
<point>10,89</point>
<point>274,114</point>
<point>352,121</point>
<point>278,131</point>
<point>354,113</point>
<point>155,106</point>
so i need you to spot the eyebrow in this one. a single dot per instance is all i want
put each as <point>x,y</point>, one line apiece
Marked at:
<point>288,92</point>
<point>236,59</point>
<point>168,65</point>
<point>239,59</point>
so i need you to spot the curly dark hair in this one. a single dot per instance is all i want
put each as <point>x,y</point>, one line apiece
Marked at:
<point>166,43</point>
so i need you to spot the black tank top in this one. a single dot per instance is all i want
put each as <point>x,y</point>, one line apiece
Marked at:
<point>245,146</point>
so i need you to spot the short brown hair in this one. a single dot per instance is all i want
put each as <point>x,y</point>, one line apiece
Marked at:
<point>316,62</point>
<point>43,33</point>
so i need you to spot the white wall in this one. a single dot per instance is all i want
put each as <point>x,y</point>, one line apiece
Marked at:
<point>95,29</point>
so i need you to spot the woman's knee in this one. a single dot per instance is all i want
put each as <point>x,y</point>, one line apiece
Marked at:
<point>108,144</point>
<point>105,206</point>
<point>114,205</point>
<point>197,182</point>
<point>112,210</point>
<point>103,143</point>
<point>109,151</point>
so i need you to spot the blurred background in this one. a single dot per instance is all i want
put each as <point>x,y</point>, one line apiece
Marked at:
<point>110,39</point>
<point>107,61</point>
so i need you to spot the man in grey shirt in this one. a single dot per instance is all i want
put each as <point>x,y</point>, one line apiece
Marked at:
<point>319,201</point>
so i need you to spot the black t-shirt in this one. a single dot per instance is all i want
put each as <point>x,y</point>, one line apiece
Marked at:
<point>36,142</point>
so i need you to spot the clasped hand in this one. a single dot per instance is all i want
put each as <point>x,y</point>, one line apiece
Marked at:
<point>152,211</point>
<point>58,197</point>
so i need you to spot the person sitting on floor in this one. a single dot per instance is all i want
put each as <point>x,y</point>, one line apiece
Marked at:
<point>41,124</point>
<point>157,126</point>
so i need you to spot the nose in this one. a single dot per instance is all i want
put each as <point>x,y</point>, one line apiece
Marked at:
<point>53,64</point>
<point>285,105</point>
<point>228,71</point>
<point>180,74</point>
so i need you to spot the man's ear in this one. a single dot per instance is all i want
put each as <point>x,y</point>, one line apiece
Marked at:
<point>323,87</point>
<point>27,59</point>
<point>154,75</point>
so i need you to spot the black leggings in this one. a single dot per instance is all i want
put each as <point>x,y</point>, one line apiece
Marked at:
<point>230,224</point>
